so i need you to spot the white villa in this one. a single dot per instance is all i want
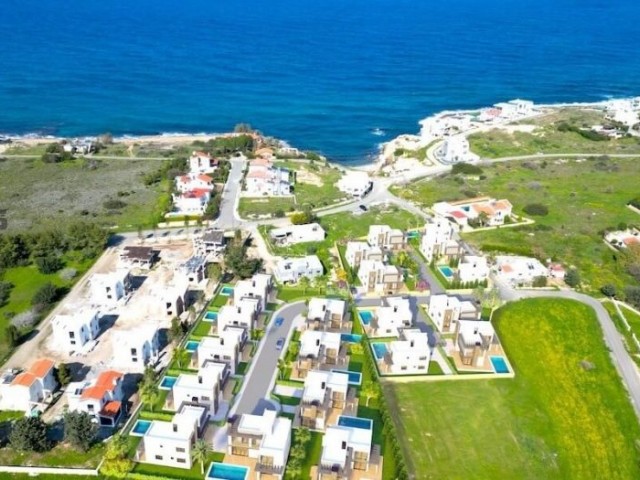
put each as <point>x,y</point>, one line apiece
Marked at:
<point>355,183</point>
<point>386,238</point>
<point>257,287</point>
<point>290,270</point>
<point>108,288</point>
<point>446,311</point>
<point>74,331</point>
<point>202,389</point>
<point>226,348</point>
<point>194,181</point>
<point>356,252</point>
<point>623,238</point>
<point>170,443</point>
<point>408,355</point>
<point>346,449</point>
<point>520,270</point>
<point>242,313</point>
<point>292,234</point>
<point>192,202</point>
<point>438,242</point>
<point>265,180</point>
<point>101,397</point>
<point>444,125</point>
<point>327,313</point>
<point>472,268</point>
<point>474,341</point>
<point>134,349</point>
<point>391,318</point>
<point>377,277</point>
<point>514,109</point>
<point>318,348</point>
<point>494,211</point>
<point>28,390</point>
<point>455,149</point>
<point>201,162</point>
<point>266,437</point>
<point>323,392</point>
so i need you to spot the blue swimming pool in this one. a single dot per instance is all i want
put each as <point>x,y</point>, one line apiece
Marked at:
<point>499,365</point>
<point>210,316</point>
<point>167,382</point>
<point>413,234</point>
<point>351,338</point>
<point>226,291</point>
<point>227,471</point>
<point>379,349</point>
<point>355,422</point>
<point>191,346</point>
<point>365,316</point>
<point>446,271</point>
<point>355,378</point>
<point>140,428</point>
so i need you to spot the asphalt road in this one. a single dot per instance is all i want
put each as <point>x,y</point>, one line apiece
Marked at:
<point>257,382</point>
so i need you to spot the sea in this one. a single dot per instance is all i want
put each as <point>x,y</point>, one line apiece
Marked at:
<point>335,76</point>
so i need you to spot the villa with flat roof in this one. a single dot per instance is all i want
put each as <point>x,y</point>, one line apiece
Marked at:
<point>376,277</point>
<point>325,396</point>
<point>292,234</point>
<point>224,348</point>
<point>356,252</point>
<point>328,314</point>
<point>472,268</point>
<point>393,315</point>
<point>386,238</point>
<point>202,389</point>
<point>319,349</point>
<point>445,311</point>
<point>438,243</point>
<point>257,287</point>
<point>136,348</point>
<point>490,211</point>
<point>108,288</point>
<point>75,330</point>
<point>290,270</point>
<point>242,313</point>
<point>474,344</point>
<point>410,354</point>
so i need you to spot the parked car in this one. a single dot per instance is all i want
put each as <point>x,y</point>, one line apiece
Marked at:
<point>280,343</point>
<point>279,321</point>
<point>363,208</point>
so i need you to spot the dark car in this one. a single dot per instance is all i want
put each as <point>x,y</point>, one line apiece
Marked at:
<point>363,208</point>
<point>280,343</point>
<point>279,321</point>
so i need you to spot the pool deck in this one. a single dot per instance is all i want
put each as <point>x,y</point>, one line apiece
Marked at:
<point>245,462</point>
<point>373,473</point>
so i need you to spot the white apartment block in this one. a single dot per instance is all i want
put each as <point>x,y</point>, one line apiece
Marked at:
<point>257,287</point>
<point>170,443</point>
<point>101,398</point>
<point>356,252</point>
<point>28,390</point>
<point>266,437</point>
<point>472,268</point>
<point>242,313</point>
<point>346,449</point>
<point>136,348</point>
<point>391,317</point>
<point>290,270</point>
<point>444,125</point>
<point>386,238</point>
<point>108,288</point>
<point>445,311</point>
<point>224,348</point>
<point>438,242</point>
<point>410,354</point>
<point>202,389</point>
<point>74,331</point>
<point>292,234</point>
<point>355,183</point>
<point>377,277</point>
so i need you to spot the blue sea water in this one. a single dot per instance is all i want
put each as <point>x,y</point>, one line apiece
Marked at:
<point>322,74</point>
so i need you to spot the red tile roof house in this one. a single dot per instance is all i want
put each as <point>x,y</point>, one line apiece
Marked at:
<point>192,202</point>
<point>28,390</point>
<point>102,398</point>
<point>191,181</point>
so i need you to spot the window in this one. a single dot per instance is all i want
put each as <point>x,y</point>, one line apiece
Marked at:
<point>158,457</point>
<point>205,399</point>
<point>180,449</point>
<point>181,460</point>
<point>72,335</point>
<point>90,408</point>
<point>134,351</point>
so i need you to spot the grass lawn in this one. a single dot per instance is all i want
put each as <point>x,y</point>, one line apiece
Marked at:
<point>79,187</point>
<point>627,336</point>
<point>583,199</point>
<point>265,206</point>
<point>61,455</point>
<point>178,473</point>
<point>202,329</point>
<point>555,419</point>
<point>314,451</point>
<point>546,138</point>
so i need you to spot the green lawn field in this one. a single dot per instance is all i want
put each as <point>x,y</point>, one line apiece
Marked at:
<point>565,415</point>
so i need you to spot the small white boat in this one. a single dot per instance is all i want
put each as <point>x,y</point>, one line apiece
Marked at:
<point>378,132</point>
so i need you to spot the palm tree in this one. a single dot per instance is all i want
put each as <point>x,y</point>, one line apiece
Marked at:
<point>180,356</point>
<point>304,282</point>
<point>282,367</point>
<point>303,435</point>
<point>201,451</point>
<point>369,390</point>
<point>149,395</point>
<point>320,283</point>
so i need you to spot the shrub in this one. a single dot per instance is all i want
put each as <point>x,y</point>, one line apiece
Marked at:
<point>465,169</point>
<point>114,204</point>
<point>29,434</point>
<point>540,281</point>
<point>48,264</point>
<point>279,213</point>
<point>609,290</point>
<point>572,278</point>
<point>12,335</point>
<point>25,319</point>
<point>536,209</point>
<point>68,274</point>
<point>635,202</point>
<point>632,295</point>
<point>5,292</point>
<point>46,295</point>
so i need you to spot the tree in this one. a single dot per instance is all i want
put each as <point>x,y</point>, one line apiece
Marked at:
<point>540,281</point>
<point>45,295</point>
<point>181,356</point>
<point>369,390</point>
<point>572,278</point>
<point>175,331</point>
<point>149,395</point>
<point>236,261</point>
<point>632,295</point>
<point>303,435</point>
<point>116,464</point>
<point>214,271</point>
<point>201,451</point>
<point>609,290</point>
<point>320,283</point>
<point>79,430</point>
<point>403,259</point>
<point>63,375</point>
<point>282,366</point>
<point>536,209</point>
<point>12,334</point>
<point>29,434</point>
<point>304,283</point>
<point>341,274</point>
<point>5,292</point>
<point>483,218</point>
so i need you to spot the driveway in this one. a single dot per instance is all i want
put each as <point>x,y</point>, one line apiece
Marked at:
<point>264,366</point>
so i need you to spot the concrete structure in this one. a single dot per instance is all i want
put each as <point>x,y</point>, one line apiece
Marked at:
<point>135,349</point>
<point>194,270</point>
<point>386,238</point>
<point>438,243</point>
<point>101,398</point>
<point>225,348</point>
<point>175,296</point>
<point>263,179</point>
<point>519,270</point>
<point>170,443</point>
<point>290,270</point>
<point>29,390</point>
<point>266,437</point>
<point>376,277</point>
<point>141,257</point>
<point>355,183</point>
<point>327,314</point>
<point>242,313</point>
<point>73,331</point>
<point>444,125</point>
<point>346,451</point>
<point>108,288</point>
<point>292,234</point>
<point>390,318</point>
<point>212,241</point>
<point>446,311</point>
<point>408,355</point>
<point>356,252</point>
<point>472,268</point>
<point>257,287</point>
<point>318,349</point>
<point>324,392</point>
<point>202,389</point>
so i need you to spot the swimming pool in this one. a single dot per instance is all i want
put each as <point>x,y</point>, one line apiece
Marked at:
<point>191,346</point>
<point>446,271</point>
<point>499,365</point>
<point>355,378</point>
<point>227,471</point>
<point>210,316</point>
<point>140,428</point>
<point>351,338</point>
<point>167,382</point>
<point>226,291</point>
<point>355,422</point>
<point>379,350</point>
<point>413,234</point>
<point>365,316</point>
